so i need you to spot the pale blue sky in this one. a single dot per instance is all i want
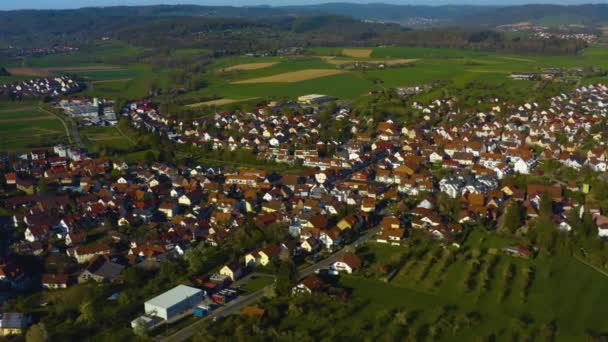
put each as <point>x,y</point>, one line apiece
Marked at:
<point>61,4</point>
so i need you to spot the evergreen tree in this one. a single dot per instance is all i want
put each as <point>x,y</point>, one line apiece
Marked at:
<point>286,277</point>
<point>545,207</point>
<point>589,227</point>
<point>512,218</point>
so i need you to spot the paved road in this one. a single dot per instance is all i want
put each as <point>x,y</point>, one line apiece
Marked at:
<point>334,257</point>
<point>235,306</point>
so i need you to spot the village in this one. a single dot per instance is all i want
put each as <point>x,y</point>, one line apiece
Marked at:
<point>379,181</point>
<point>40,87</point>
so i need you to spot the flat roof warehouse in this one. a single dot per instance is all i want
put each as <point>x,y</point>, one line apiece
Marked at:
<point>175,295</point>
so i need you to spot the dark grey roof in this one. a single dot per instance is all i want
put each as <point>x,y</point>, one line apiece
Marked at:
<point>109,270</point>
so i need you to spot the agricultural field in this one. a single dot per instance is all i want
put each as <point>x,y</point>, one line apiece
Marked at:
<point>23,127</point>
<point>109,68</point>
<point>219,102</point>
<point>97,138</point>
<point>249,66</point>
<point>294,76</point>
<point>129,82</point>
<point>291,72</point>
<point>512,295</point>
<point>357,53</point>
<point>113,81</point>
<point>342,61</point>
<point>420,65</point>
<point>100,53</point>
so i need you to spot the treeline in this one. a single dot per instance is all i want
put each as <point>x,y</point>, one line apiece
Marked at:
<point>232,35</point>
<point>239,35</point>
<point>481,40</point>
<point>236,35</point>
<point>587,14</point>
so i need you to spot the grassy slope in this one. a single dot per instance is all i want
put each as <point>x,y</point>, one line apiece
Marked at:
<point>456,66</point>
<point>105,136</point>
<point>21,135</point>
<point>130,81</point>
<point>563,289</point>
<point>16,134</point>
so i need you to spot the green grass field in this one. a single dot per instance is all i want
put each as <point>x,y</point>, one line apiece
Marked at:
<point>23,126</point>
<point>13,78</point>
<point>126,80</point>
<point>107,52</point>
<point>98,137</point>
<point>21,113</point>
<point>458,67</point>
<point>501,288</point>
<point>22,135</point>
<point>257,284</point>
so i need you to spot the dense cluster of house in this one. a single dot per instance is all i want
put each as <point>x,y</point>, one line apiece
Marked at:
<point>572,74</point>
<point>389,177</point>
<point>586,37</point>
<point>543,32</point>
<point>466,161</point>
<point>41,87</point>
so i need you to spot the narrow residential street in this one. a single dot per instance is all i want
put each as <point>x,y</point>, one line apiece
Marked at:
<point>235,306</point>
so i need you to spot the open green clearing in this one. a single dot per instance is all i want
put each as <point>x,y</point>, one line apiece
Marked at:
<point>503,289</point>
<point>21,113</point>
<point>132,79</point>
<point>96,138</point>
<point>458,67</point>
<point>21,135</point>
<point>128,82</point>
<point>23,125</point>
<point>111,141</point>
<point>257,284</point>
<point>107,52</point>
<point>126,79</point>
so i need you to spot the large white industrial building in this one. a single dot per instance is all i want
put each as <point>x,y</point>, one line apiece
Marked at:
<point>174,302</point>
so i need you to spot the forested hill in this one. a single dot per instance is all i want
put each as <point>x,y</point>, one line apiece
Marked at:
<point>473,15</point>
<point>238,30</point>
<point>596,14</point>
<point>360,11</point>
<point>548,15</point>
<point>393,13</point>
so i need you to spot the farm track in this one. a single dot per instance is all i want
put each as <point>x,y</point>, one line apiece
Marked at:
<point>71,132</point>
<point>126,136</point>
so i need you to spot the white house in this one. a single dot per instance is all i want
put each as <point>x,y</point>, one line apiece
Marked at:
<point>602,231</point>
<point>522,167</point>
<point>347,263</point>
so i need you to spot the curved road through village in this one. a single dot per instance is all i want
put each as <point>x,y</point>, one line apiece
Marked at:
<point>235,306</point>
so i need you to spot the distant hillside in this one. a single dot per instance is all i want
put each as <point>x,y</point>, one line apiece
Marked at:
<point>392,13</point>
<point>548,15</point>
<point>411,15</point>
<point>228,30</point>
